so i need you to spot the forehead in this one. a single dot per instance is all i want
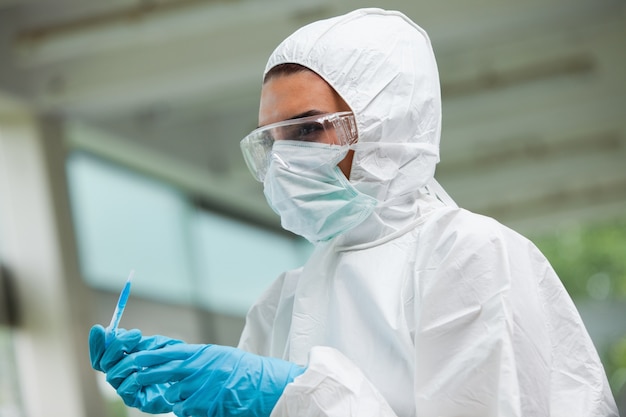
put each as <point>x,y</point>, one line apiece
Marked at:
<point>286,96</point>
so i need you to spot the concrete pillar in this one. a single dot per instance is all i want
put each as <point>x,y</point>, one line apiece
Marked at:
<point>39,250</point>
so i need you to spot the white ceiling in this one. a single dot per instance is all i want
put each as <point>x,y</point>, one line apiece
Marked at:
<point>534,93</point>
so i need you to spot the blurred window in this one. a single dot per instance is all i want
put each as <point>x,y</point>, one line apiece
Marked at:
<point>237,261</point>
<point>126,221</point>
<point>181,254</point>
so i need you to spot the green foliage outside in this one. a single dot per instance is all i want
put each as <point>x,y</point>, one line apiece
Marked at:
<point>10,401</point>
<point>591,262</point>
<point>115,408</point>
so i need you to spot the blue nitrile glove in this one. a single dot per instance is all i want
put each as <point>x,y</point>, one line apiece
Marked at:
<point>207,380</point>
<point>121,345</point>
<point>151,399</point>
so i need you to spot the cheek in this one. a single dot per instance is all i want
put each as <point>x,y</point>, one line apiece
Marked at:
<point>346,164</point>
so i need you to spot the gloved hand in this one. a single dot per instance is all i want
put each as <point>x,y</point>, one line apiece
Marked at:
<point>151,399</point>
<point>206,380</point>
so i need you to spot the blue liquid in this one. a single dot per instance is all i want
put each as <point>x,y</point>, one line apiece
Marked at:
<point>111,330</point>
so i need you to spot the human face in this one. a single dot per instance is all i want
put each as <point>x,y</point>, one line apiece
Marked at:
<point>298,95</point>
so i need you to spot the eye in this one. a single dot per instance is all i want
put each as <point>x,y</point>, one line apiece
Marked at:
<point>309,132</point>
<point>303,132</point>
<point>266,139</point>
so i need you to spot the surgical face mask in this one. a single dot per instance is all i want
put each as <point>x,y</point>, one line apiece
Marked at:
<point>333,128</point>
<point>310,193</point>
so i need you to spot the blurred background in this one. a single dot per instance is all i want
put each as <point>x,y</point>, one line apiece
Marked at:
<point>120,123</point>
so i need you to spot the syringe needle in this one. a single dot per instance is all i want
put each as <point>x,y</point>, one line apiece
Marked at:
<point>111,330</point>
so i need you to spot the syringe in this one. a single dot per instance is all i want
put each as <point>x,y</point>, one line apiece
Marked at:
<point>111,330</point>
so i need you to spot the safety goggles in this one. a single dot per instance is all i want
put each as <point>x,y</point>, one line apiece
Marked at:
<point>333,129</point>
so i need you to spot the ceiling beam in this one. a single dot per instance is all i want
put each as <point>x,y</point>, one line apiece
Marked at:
<point>146,24</point>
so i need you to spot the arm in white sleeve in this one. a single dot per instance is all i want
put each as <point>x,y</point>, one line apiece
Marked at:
<point>332,386</point>
<point>466,362</point>
<point>497,334</point>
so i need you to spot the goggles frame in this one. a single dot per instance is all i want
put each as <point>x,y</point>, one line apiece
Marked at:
<point>335,129</point>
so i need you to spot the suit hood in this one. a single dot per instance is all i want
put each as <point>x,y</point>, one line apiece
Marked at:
<point>383,66</point>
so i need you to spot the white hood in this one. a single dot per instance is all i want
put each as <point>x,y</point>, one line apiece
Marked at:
<point>383,66</point>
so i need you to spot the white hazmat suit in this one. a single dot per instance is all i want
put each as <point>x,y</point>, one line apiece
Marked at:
<point>424,309</point>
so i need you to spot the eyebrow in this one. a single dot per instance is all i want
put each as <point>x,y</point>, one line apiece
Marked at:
<point>307,114</point>
<point>313,112</point>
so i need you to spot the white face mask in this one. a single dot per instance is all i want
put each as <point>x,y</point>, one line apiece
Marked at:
<point>313,198</point>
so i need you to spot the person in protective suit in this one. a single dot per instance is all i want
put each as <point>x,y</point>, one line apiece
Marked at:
<point>409,305</point>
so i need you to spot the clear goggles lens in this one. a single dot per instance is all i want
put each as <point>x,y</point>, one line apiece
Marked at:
<point>333,129</point>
